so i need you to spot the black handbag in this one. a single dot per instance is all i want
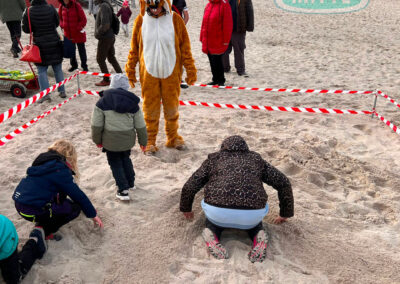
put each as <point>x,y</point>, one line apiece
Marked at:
<point>69,48</point>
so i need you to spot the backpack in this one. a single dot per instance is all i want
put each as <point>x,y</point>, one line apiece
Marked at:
<point>114,21</point>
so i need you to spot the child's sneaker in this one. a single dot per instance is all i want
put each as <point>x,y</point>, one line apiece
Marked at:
<point>123,195</point>
<point>259,250</point>
<point>37,235</point>
<point>213,245</point>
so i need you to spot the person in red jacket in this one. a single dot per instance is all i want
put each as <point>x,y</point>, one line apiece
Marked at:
<point>215,35</point>
<point>73,21</point>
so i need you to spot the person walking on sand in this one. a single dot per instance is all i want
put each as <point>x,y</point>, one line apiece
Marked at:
<point>243,20</point>
<point>234,196</point>
<point>14,265</point>
<point>125,13</point>
<point>215,35</point>
<point>41,197</point>
<point>11,14</point>
<point>73,21</point>
<point>44,21</point>
<point>106,37</point>
<point>116,120</point>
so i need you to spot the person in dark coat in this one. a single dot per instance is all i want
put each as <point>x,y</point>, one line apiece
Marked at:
<point>243,20</point>
<point>44,21</point>
<point>11,14</point>
<point>73,22</point>
<point>41,197</point>
<point>215,35</point>
<point>234,196</point>
<point>104,33</point>
<point>15,265</point>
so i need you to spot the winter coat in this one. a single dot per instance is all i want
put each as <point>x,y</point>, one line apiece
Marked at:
<point>44,21</point>
<point>234,177</point>
<point>73,21</point>
<point>216,28</point>
<point>103,26</point>
<point>8,238</point>
<point>48,177</point>
<point>242,15</point>
<point>116,119</point>
<point>125,14</point>
<point>11,10</point>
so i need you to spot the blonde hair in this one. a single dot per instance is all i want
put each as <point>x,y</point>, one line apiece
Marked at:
<point>66,149</point>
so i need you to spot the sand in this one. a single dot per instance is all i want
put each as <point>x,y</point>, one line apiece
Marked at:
<point>344,168</point>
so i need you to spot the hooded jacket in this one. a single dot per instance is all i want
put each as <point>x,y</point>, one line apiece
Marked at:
<point>44,21</point>
<point>234,177</point>
<point>116,119</point>
<point>72,21</point>
<point>103,26</point>
<point>216,28</point>
<point>48,176</point>
<point>11,10</point>
<point>8,238</point>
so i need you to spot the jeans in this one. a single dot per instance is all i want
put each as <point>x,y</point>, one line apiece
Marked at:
<point>15,32</point>
<point>17,265</point>
<point>238,44</point>
<point>106,50</point>
<point>44,81</point>
<point>82,55</point>
<point>122,169</point>
<point>218,230</point>
<point>51,220</point>
<point>217,68</point>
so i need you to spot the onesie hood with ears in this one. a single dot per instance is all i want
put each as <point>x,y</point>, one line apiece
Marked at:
<point>145,4</point>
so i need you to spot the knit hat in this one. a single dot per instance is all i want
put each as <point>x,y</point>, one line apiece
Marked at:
<point>119,80</point>
<point>125,3</point>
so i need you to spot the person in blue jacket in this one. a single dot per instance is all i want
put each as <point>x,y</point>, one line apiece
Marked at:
<point>41,197</point>
<point>15,265</point>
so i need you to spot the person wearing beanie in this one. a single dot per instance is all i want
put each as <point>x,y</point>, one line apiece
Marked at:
<point>15,265</point>
<point>116,121</point>
<point>125,13</point>
<point>234,196</point>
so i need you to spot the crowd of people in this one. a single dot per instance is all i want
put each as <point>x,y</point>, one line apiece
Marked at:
<point>232,178</point>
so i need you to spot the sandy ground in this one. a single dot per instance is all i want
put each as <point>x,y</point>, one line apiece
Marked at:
<point>344,168</point>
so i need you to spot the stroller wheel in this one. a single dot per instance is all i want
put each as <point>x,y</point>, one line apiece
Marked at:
<point>18,91</point>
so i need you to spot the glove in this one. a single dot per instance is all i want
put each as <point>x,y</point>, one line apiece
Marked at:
<point>191,78</point>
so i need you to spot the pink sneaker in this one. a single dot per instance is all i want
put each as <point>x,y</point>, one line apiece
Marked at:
<point>259,250</point>
<point>214,246</point>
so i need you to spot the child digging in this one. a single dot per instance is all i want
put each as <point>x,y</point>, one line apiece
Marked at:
<point>116,120</point>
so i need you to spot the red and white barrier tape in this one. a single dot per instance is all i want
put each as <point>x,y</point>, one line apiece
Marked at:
<point>389,99</point>
<point>255,107</point>
<point>309,91</point>
<point>17,131</point>
<point>12,111</point>
<point>388,123</point>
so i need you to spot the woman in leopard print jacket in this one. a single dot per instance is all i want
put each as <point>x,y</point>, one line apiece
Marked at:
<point>234,196</point>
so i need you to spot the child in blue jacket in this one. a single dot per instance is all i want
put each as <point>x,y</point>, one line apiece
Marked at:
<point>15,265</point>
<point>41,197</point>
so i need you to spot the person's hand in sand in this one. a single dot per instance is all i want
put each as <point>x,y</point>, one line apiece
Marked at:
<point>280,220</point>
<point>188,215</point>
<point>97,221</point>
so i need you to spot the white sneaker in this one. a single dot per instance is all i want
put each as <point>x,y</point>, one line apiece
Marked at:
<point>123,195</point>
<point>133,188</point>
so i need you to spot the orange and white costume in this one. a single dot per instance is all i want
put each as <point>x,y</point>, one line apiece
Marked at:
<point>161,45</point>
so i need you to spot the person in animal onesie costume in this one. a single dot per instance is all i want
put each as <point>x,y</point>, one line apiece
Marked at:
<point>161,45</point>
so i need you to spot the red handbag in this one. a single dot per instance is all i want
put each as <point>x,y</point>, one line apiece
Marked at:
<point>30,52</point>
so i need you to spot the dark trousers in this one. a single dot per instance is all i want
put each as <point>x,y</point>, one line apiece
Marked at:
<point>53,217</point>
<point>122,169</point>
<point>106,50</point>
<point>218,230</point>
<point>238,43</point>
<point>82,55</point>
<point>15,32</point>
<point>17,265</point>
<point>217,69</point>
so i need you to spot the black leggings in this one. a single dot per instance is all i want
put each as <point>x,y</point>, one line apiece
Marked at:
<point>218,230</point>
<point>17,265</point>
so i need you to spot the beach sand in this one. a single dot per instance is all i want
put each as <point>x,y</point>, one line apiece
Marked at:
<point>344,169</point>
